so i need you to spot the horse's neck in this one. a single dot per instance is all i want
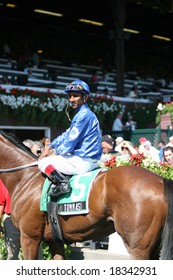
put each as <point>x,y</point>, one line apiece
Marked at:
<point>12,157</point>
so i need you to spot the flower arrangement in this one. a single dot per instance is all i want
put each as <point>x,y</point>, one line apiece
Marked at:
<point>162,109</point>
<point>163,169</point>
<point>49,108</point>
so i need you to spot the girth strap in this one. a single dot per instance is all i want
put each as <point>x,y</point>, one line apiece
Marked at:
<point>54,221</point>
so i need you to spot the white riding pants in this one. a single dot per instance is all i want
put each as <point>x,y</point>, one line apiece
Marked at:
<point>68,164</point>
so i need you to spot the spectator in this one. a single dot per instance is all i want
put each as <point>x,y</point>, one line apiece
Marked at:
<point>105,76</point>
<point>118,126</point>
<point>141,146</point>
<point>136,147</point>
<point>130,123</point>
<point>130,126</point>
<point>161,146</point>
<point>142,140</point>
<point>168,155</point>
<point>134,91</point>
<point>37,148</point>
<point>118,141</point>
<point>151,151</point>
<point>170,143</point>
<point>127,149</point>
<point>28,143</point>
<point>45,141</point>
<point>107,149</point>
<point>12,235</point>
<point>107,144</point>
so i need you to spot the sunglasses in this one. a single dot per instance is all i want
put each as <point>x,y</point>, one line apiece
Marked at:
<point>38,152</point>
<point>124,148</point>
<point>74,87</point>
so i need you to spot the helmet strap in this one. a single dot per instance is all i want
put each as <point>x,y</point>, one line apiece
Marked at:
<point>67,112</point>
<point>85,97</point>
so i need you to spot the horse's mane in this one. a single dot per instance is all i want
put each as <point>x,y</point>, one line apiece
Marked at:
<point>17,142</point>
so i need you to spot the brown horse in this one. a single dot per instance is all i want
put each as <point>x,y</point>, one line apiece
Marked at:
<point>133,201</point>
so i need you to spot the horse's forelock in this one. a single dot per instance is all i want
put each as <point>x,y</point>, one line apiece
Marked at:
<point>17,142</point>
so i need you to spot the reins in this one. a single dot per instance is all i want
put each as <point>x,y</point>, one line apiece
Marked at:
<point>18,167</point>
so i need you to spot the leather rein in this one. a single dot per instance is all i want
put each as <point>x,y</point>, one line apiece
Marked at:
<point>18,167</point>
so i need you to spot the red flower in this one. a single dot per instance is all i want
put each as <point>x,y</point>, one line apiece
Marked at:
<point>136,159</point>
<point>111,162</point>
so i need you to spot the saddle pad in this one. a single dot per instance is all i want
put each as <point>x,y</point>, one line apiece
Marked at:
<point>75,202</point>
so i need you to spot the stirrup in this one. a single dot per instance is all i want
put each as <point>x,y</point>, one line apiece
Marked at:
<point>61,188</point>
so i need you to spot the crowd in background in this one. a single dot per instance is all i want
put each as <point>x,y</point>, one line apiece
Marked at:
<point>122,131</point>
<point>124,149</point>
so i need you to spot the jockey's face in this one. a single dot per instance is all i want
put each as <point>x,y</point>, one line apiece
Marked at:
<point>76,99</point>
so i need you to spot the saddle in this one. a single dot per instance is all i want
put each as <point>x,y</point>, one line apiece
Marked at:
<point>72,203</point>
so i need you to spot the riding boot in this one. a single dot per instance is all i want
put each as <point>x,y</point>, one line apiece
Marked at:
<point>60,183</point>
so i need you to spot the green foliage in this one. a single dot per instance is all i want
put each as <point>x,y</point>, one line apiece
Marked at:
<point>2,248</point>
<point>144,116</point>
<point>47,255</point>
<point>46,108</point>
<point>67,251</point>
<point>45,250</point>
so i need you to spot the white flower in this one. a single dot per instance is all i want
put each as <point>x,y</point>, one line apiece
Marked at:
<point>160,107</point>
<point>122,160</point>
<point>15,102</point>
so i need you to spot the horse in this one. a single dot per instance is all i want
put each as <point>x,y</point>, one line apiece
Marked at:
<point>132,201</point>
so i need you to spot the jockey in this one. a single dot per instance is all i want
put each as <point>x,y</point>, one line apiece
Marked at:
<point>78,149</point>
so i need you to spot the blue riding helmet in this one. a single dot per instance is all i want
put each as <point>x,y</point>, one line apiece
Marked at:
<point>78,86</point>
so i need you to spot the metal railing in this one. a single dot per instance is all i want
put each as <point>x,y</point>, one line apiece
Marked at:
<point>154,135</point>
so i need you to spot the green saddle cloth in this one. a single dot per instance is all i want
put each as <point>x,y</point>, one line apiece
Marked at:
<point>76,201</point>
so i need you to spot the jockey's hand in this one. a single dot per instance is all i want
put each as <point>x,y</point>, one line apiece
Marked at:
<point>46,152</point>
